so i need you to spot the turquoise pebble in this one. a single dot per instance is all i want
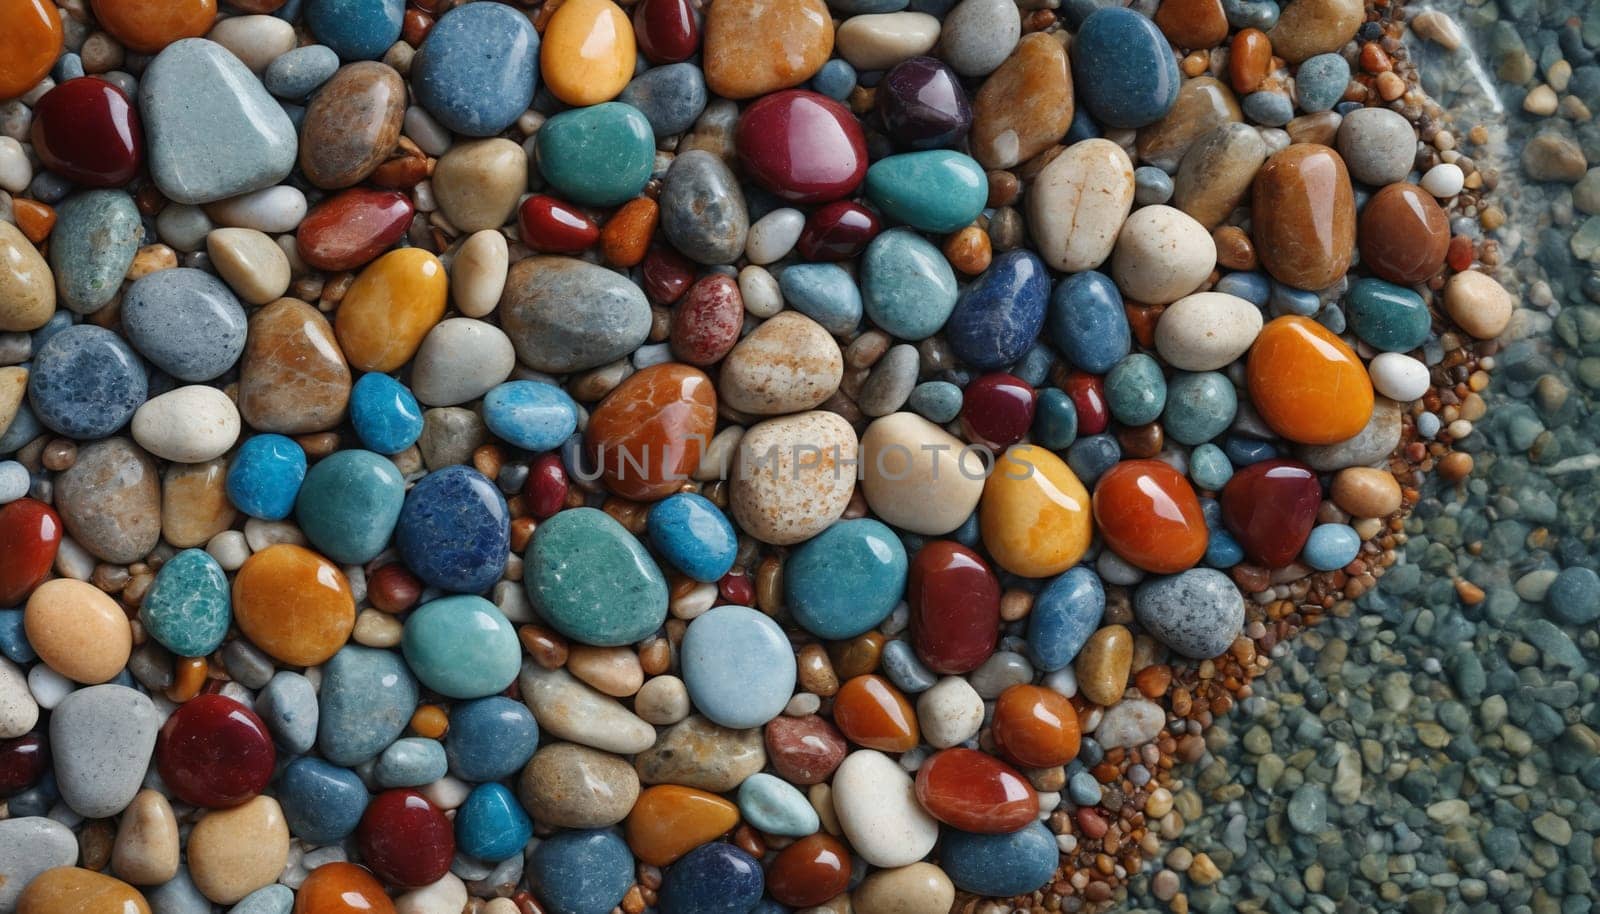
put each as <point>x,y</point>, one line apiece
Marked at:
<point>96,235</point>
<point>187,608</point>
<point>288,706</point>
<point>1055,419</point>
<point>1136,392</point>
<point>845,580</point>
<point>477,69</point>
<point>385,413</point>
<point>1385,316</point>
<point>356,29</point>
<point>597,156</point>
<point>738,666</point>
<point>366,701</point>
<point>1200,406</point>
<point>462,647</point>
<point>265,476</point>
<point>1065,613</point>
<point>411,762</point>
<point>773,805</point>
<point>907,286</point>
<point>592,580</point>
<point>825,293</point>
<point>1000,865</point>
<point>905,669</point>
<point>581,872</point>
<point>532,415</point>
<point>1320,82</point>
<point>1222,550</point>
<point>270,899</point>
<point>491,825</point>
<point>937,401</point>
<point>1331,547</point>
<point>490,738</point>
<point>935,190</point>
<point>322,803</point>
<point>693,535</point>
<point>349,504</point>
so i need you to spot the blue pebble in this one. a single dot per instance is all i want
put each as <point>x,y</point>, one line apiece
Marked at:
<point>776,807</point>
<point>490,738</point>
<point>67,66</point>
<point>178,895</point>
<point>967,534</point>
<point>270,899</point>
<point>1574,596</point>
<point>845,580</point>
<point>24,428</point>
<point>1320,82</point>
<point>1136,392</point>
<point>1386,316</point>
<point>288,706</point>
<point>1082,127</point>
<point>738,666</point>
<point>1428,425</point>
<point>532,415</point>
<point>349,503</point>
<point>694,536</point>
<point>581,872</point>
<point>1243,451</point>
<point>937,401</point>
<point>1123,68</point>
<point>999,315</point>
<point>1209,467</point>
<point>295,74</point>
<point>1034,367</point>
<point>1055,419</point>
<point>1083,789</point>
<point>386,415</point>
<point>411,762</point>
<point>712,879</point>
<point>1211,510</point>
<point>367,699</point>
<point>14,638</point>
<point>1088,323</point>
<point>1331,546</point>
<point>1254,288</point>
<point>904,669</point>
<point>836,80</point>
<point>86,382</point>
<point>671,98</point>
<point>825,293</point>
<point>1065,613</point>
<point>477,69</point>
<point>265,477</point>
<point>1268,108</point>
<point>1222,550</point>
<point>356,29</point>
<point>454,530</point>
<point>1151,185</point>
<point>1332,317</point>
<point>491,824</point>
<point>186,322</point>
<point>1289,300</point>
<point>907,286</point>
<point>1200,406</point>
<point>1090,457</point>
<point>322,803</point>
<point>1251,14</point>
<point>1000,865</point>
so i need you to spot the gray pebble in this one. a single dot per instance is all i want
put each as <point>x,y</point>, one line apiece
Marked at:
<point>890,384</point>
<point>97,234</point>
<point>187,322</point>
<point>1378,145</point>
<point>979,35</point>
<point>703,210</point>
<point>101,739</point>
<point>1197,613</point>
<point>296,74</point>
<point>28,847</point>
<point>671,97</point>
<point>288,706</point>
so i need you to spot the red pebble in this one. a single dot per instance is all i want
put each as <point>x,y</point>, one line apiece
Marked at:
<point>86,131</point>
<point>665,274</point>
<point>23,761</point>
<point>1149,515</point>
<point>405,839</point>
<point>392,588</point>
<point>802,146</point>
<point>809,872</point>
<point>804,750</point>
<point>997,410</point>
<point>838,231</point>
<point>215,752</point>
<point>668,31</point>
<point>546,489</point>
<point>555,227</point>
<point>976,792</point>
<point>350,229</point>
<point>1093,825</point>
<point>707,322</point>
<point>1035,727</point>
<point>1459,254</point>
<point>955,607</point>
<point>736,588</point>
<point>1088,393</point>
<point>1270,508</point>
<point>30,533</point>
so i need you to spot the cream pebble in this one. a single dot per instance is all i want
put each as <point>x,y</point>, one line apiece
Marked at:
<point>477,184</point>
<point>950,713</point>
<point>1206,331</point>
<point>1398,376</point>
<point>478,272</point>
<point>273,210</point>
<point>250,262</point>
<point>878,41</point>
<point>1162,255</point>
<point>189,425</point>
<point>77,630</point>
<point>793,476</point>
<point>1478,303</point>
<point>1078,203</point>
<point>878,810</point>
<point>917,476</point>
<point>1444,180</point>
<point>760,291</point>
<point>774,235</point>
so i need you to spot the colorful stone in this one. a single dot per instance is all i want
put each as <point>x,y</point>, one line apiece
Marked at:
<point>1147,513</point>
<point>1404,234</point>
<point>755,48</point>
<point>187,608</point>
<point>997,410</point>
<point>454,530</point>
<point>215,752</point>
<point>955,607</point>
<point>975,792</point>
<point>72,890</point>
<point>477,69</point>
<point>581,872</point>
<point>1034,515</point>
<point>667,31</point>
<point>923,104</point>
<point>87,131</point>
<point>804,750</point>
<point>597,156</point>
<point>804,147</point>
<point>669,821</point>
<point>872,713</point>
<point>350,229</point>
<point>461,647</point>
<point>1126,74</point>
<point>390,308</point>
<point>1304,216</point>
<point>706,324</point>
<point>712,877</point>
<point>1035,727</point>
<point>587,55</point>
<point>622,606</point>
<point>352,124</point>
<point>293,378</point>
<point>648,434</point>
<point>147,27</point>
<point>1270,508</point>
<point>30,42</point>
<point>1307,384</point>
<point>30,533</point>
<point>551,226</point>
<point>846,580</point>
<point>405,839</point>
<point>341,888</point>
<point>840,230</point>
<point>294,604</point>
<point>935,190</point>
<point>1018,863</point>
<point>809,872</point>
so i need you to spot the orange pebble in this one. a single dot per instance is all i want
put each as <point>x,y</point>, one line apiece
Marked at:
<point>294,604</point>
<point>30,42</point>
<point>1249,60</point>
<point>627,235</point>
<point>1036,727</point>
<point>669,821</point>
<point>147,26</point>
<point>1148,514</point>
<point>35,219</point>
<point>342,888</point>
<point>430,722</point>
<point>872,713</point>
<point>1306,383</point>
<point>969,250</point>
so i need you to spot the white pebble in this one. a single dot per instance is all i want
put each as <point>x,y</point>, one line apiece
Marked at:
<point>802,704</point>
<point>48,686</point>
<point>189,425</point>
<point>13,481</point>
<point>263,533</point>
<point>512,600</point>
<point>1399,377</point>
<point>273,210</point>
<point>16,173</point>
<point>759,289</point>
<point>73,561</point>
<point>774,235</point>
<point>950,713</point>
<point>229,549</point>
<point>446,793</point>
<point>1459,429</point>
<point>1444,180</point>
<point>447,896</point>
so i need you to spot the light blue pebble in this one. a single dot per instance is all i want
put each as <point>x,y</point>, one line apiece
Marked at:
<point>774,806</point>
<point>904,669</point>
<point>1289,300</point>
<point>490,738</point>
<point>1268,108</point>
<point>270,899</point>
<point>738,666</point>
<point>1151,185</point>
<point>836,79</point>
<point>1065,613</point>
<point>532,415</point>
<point>477,69</point>
<point>825,293</point>
<point>411,762</point>
<point>1091,456</point>
<point>1428,425</point>
<point>14,639</point>
<point>322,803</point>
<point>67,66</point>
<point>385,413</point>
<point>1320,82</point>
<point>1000,865</point>
<point>491,824</point>
<point>86,382</point>
<point>368,696</point>
<point>1222,550</point>
<point>288,706</point>
<point>1136,392</point>
<point>1332,317</point>
<point>1254,288</point>
<point>295,74</point>
<point>177,895</point>
<point>907,286</point>
<point>24,428</point>
<point>693,535</point>
<point>1083,789</point>
<point>845,580</point>
<point>349,503</point>
<point>1055,419</point>
<point>937,401</point>
<point>462,647</point>
<point>356,29</point>
<point>187,608</point>
<point>1331,547</point>
<point>265,476</point>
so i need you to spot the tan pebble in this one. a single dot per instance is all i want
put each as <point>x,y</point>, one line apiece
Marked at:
<point>73,890</point>
<point>478,184</point>
<point>250,262</point>
<point>794,476</point>
<point>662,700</point>
<point>27,288</point>
<point>77,630</point>
<point>1478,304</point>
<point>13,387</point>
<point>915,889</point>
<point>758,46</point>
<point>478,273</point>
<point>788,364</point>
<point>613,670</point>
<point>570,786</point>
<point>377,629</point>
<point>233,852</point>
<point>194,502</point>
<point>152,258</point>
<point>1366,492</point>
<point>146,848</point>
<point>1103,664</point>
<point>1315,27</point>
<point>821,799</point>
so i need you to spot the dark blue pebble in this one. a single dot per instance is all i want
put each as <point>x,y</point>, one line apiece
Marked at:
<point>581,872</point>
<point>1082,127</point>
<point>694,536</point>
<point>967,534</point>
<point>1124,70</point>
<point>322,803</point>
<point>671,97</point>
<point>265,476</point>
<point>712,879</point>
<point>86,382</point>
<point>491,825</point>
<point>1055,419</point>
<point>1090,457</point>
<point>477,69</point>
<point>999,315</point>
<point>385,413</point>
<point>1244,451</point>
<point>1065,613</point>
<point>490,738</point>
<point>454,530</point>
<point>14,639</point>
<point>1000,865</point>
<point>356,29</point>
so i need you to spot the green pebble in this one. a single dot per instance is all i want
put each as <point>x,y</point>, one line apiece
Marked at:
<point>1136,392</point>
<point>597,156</point>
<point>935,191</point>
<point>1200,406</point>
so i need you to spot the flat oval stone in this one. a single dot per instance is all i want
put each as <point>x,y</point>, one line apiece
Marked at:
<point>1065,613</point>
<point>581,872</point>
<point>999,315</point>
<point>1318,27</point>
<point>461,647</point>
<point>846,580</point>
<point>878,41</point>
<point>923,104</point>
<point>352,124</point>
<point>454,530</point>
<point>293,378</point>
<point>77,630</point>
<point>1270,508</point>
<point>1035,727</point>
<point>186,322</point>
<point>96,235</point>
<point>703,210</point>
<point>597,156</point>
<point>390,308</point>
<point>565,315</point>
<point>366,700</point>
<point>1216,172</point>
<point>668,31</point>
<point>1197,613</point>
<point>214,752</point>
<point>1000,865</point>
<point>824,292</point>
<point>1162,255</point>
<point>776,808</point>
<point>490,825</point>
<point>804,750</point>
<point>624,604</point>
<point>405,839</point>
<point>1078,202</point>
<point>876,803</point>
<point>1404,234</point>
<point>804,147</point>
<point>1035,513</point>
<point>294,604</point>
<point>1126,73</point>
<point>490,739</point>
<point>1378,145</point>
<point>708,320</point>
<point>104,144</point>
<point>1304,224</point>
<point>1385,316</point>
<point>30,534</point>
<point>790,477</point>
<point>348,505</point>
<point>693,535</point>
<point>72,890</point>
<point>588,52</point>
<point>1203,104</point>
<point>110,500</point>
<point>1025,106</point>
<point>339,888</point>
<point>569,709</point>
<point>738,666</point>
<point>102,739</point>
<point>647,436</point>
<point>479,183</point>
<point>570,786</point>
<point>698,753</point>
<point>477,69</point>
<point>976,792</point>
<point>955,607</point>
<point>1200,406</point>
<point>755,48</point>
<point>1206,331</point>
<point>460,360</point>
<point>27,288</point>
<point>1307,384</point>
<point>871,713</point>
<point>231,142</point>
<point>917,476</point>
<point>188,425</point>
<point>288,705</point>
<point>671,97</point>
<point>147,29</point>
<point>907,285</point>
<point>936,190</point>
<point>350,229</point>
<point>1147,513</point>
<point>787,364</point>
<point>187,608</point>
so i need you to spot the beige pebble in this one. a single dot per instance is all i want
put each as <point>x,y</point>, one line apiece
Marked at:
<point>1077,204</point>
<point>13,387</point>
<point>447,895</point>
<point>917,476</point>
<point>1103,664</point>
<point>1478,304</point>
<point>478,273</point>
<point>663,701</point>
<point>377,629</point>
<point>478,184</point>
<point>788,364</point>
<point>1366,492</point>
<point>77,630</point>
<point>146,848</point>
<point>878,41</point>
<point>191,424</point>
<point>255,40</point>
<point>613,670</point>
<point>570,786</point>
<point>27,287</point>
<point>1162,254</point>
<point>794,476</point>
<point>250,262</point>
<point>233,852</point>
<point>915,889</point>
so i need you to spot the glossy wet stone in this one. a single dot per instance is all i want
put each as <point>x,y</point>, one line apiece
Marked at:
<point>266,475</point>
<point>1065,613</point>
<point>838,231</point>
<point>186,322</point>
<point>477,69</point>
<point>342,888</point>
<point>809,872</point>
<point>87,131</point>
<point>187,609</point>
<point>77,631</point>
<point>390,308</point>
<point>1386,316</point>
<point>30,534</point>
<point>1000,313</point>
<point>620,607</point>
<point>1307,384</point>
<point>453,530</point>
<point>667,31</point>
<point>1034,515</point>
<point>871,712</point>
<point>876,804</point>
<point>571,786</point>
<point>955,607</point>
<point>1270,508</point>
<point>1404,234</point>
<point>1025,105</point>
<point>349,230</point>
<point>1087,322</point>
<point>669,821</point>
<point>532,415</point>
<point>26,286</point>
<point>713,877</point>
<point>110,500</point>
<point>804,750</point>
<point>1216,172</point>
<point>587,54</point>
<point>648,434</point>
<point>29,46</point>
<point>997,410</point>
<point>147,28</point>
<point>693,535</point>
<point>294,604</point>
<point>96,236</point>
<point>461,647</point>
<point>1000,865</point>
<point>1126,74</point>
<point>490,738</point>
<point>405,839</point>
<point>215,752</point>
<point>934,191</point>
<point>1304,225</point>
<point>923,104</point>
<point>490,825</point>
<point>975,792</point>
<point>72,890</point>
<point>352,124</point>
<point>566,315</point>
<point>804,147</point>
<point>581,872</point>
<point>597,156</point>
<point>356,29</point>
<point>1035,727</point>
<point>1148,514</point>
<point>755,48</point>
<point>907,286</point>
<point>707,323</point>
<point>846,580</point>
<point>293,378</point>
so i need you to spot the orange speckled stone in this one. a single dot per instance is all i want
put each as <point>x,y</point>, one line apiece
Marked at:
<point>588,52</point>
<point>648,434</point>
<point>389,309</point>
<point>1148,514</point>
<point>30,42</point>
<point>872,713</point>
<point>669,821</point>
<point>294,604</point>
<point>77,630</point>
<point>1404,234</point>
<point>1034,514</point>
<point>1306,383</point>
<point>147,26</point>
<point>1197,24</point>
<point>72,890</point>
<point>1249,60</point>
<point>754,47</point>
<point>1303,216</point>
<point>342,888</point>
<point>1035,727</point>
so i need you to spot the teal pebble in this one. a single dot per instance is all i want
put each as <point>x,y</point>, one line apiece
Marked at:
<point>937,401</point>
<point>271,899</point>
<point>1385,316</point>
<point>825,293</point>
<point>1209,467</point>
<point>1135,390</point>
<point>1200,406</point>
<point>1331,547</point>
<point>1055,419</point>
<point>581,872</point>
<point>907,285</point>
<point>601,155</point>
<point>491,825</point>
<point>935,190</point>
<point>592,580</point>
<point>96,235</point>
<point>187,608</point>
<point>532,415</point>
<point>1320,82</point>
<point>411,762</point>
<point>461,646</point>
<point>1000,865</point>
<point>349,504</point>
<point>846,580</point>
<point>775,807</point>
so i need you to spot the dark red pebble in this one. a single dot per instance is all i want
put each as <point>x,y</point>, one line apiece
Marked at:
<point>997,410</point>
<point>839,231</point>
<point>350,229</point>
<point>665,274</point>
<point>707,322</point>
<point>735,588</point>
<point>955,607</point>
<point>668,31</point>
<point>802,146</point>
<point>545,491</point>
<point>555,227</point>
<point>86,131</point>
<point>1270,508</point>
<point>30,533</point>
<point>215,752</point>
<point>405,840</point>
<point>1088,393</point>
<point>23,760</point>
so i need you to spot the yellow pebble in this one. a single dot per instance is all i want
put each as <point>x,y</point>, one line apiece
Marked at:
<point>389,309</point>
<point>588,52</point>
<point>1034,515</point>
